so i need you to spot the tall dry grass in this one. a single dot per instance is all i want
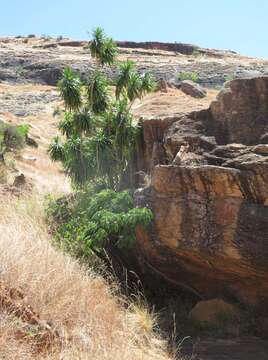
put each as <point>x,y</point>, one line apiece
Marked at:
<point>83,309</point>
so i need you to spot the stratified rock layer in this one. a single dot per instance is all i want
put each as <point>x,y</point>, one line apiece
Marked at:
<point>209,195</point>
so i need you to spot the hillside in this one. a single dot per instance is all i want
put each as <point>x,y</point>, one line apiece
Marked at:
<point>206,170</point>
<point>41,60</point>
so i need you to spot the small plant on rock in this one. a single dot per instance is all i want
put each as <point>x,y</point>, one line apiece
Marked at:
<point>185,75</point>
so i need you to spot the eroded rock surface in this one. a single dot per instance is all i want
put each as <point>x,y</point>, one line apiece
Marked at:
<point>209,194</point>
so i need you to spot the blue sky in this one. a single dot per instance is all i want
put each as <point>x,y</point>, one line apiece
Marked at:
<point>240,25</point>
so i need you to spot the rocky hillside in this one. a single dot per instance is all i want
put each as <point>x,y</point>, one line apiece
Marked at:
<point>203,166</point>
<point>41,60</point>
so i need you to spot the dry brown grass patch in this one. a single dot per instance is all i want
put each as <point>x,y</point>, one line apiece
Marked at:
<point>83,309</point>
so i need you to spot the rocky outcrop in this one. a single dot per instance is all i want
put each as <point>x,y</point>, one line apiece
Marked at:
<point>181,48</point>
<point>209,195</point>
<point>192,89</point>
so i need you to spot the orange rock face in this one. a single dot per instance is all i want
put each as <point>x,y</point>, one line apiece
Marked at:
<point>210,230</point>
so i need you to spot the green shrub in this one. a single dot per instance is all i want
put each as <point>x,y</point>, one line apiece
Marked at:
<point>23,129</point>
<point>185,75</point>
<point>229,77</point>
<point>12,137</point>
<point>92,222</point>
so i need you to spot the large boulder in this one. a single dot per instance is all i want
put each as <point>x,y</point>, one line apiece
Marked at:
<point>209,195</point>
<point>191,88</point>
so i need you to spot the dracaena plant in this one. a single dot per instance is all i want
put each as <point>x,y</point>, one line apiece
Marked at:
<point>96,149</point>
<point>98,132</point>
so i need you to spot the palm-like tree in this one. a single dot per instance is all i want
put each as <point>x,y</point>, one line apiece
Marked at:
<point>109,52</point>
<point>148,84</point>
<point>84,122</point>
<point>125,71</point>
<point>98,93</point>
<point>100,134</point>
<point>56,150</point>
<point>66,125</point>
<point>134,87</point>
<point>97,42</point>
<point>102,48</point>
<point>70,90</point>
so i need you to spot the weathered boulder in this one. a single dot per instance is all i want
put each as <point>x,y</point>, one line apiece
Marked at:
<point>209,195</point>
<point>191,88</point>
<point>240,111</point>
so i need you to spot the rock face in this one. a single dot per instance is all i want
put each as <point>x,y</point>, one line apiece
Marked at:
<point>181,48</point>
<point>209,195</point>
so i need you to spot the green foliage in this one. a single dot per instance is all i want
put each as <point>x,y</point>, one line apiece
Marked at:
<point>98,128</point>
<point>148,84</point>
<point>130,84</point>
<point>229,77</point>
<point>105,219</point>
<point>23,129</point>
<point>12,137</point>
<point>98,93</point>
<point>185,75</point>
<point>126,69</point>
<point>78,123</point>
<point>102,48</point>
<point>56,150</point>
<point>96,150</point>
<point>70,89</point>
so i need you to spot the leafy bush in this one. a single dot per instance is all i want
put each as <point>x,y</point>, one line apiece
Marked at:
<point>184,75</point>
<point>96,221</point>
<point>12,137</point>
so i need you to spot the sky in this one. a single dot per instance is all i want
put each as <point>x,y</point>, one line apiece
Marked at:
<point>239,25</point>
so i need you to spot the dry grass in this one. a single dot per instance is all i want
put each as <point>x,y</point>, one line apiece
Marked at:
<point>80,307</point>
<point>171,103</point>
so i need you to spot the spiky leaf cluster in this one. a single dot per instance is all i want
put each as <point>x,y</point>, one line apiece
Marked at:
<point>100,135</point>
<point>102,47</point>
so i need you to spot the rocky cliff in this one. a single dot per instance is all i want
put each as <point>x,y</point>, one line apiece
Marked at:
<point>208,173</point>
